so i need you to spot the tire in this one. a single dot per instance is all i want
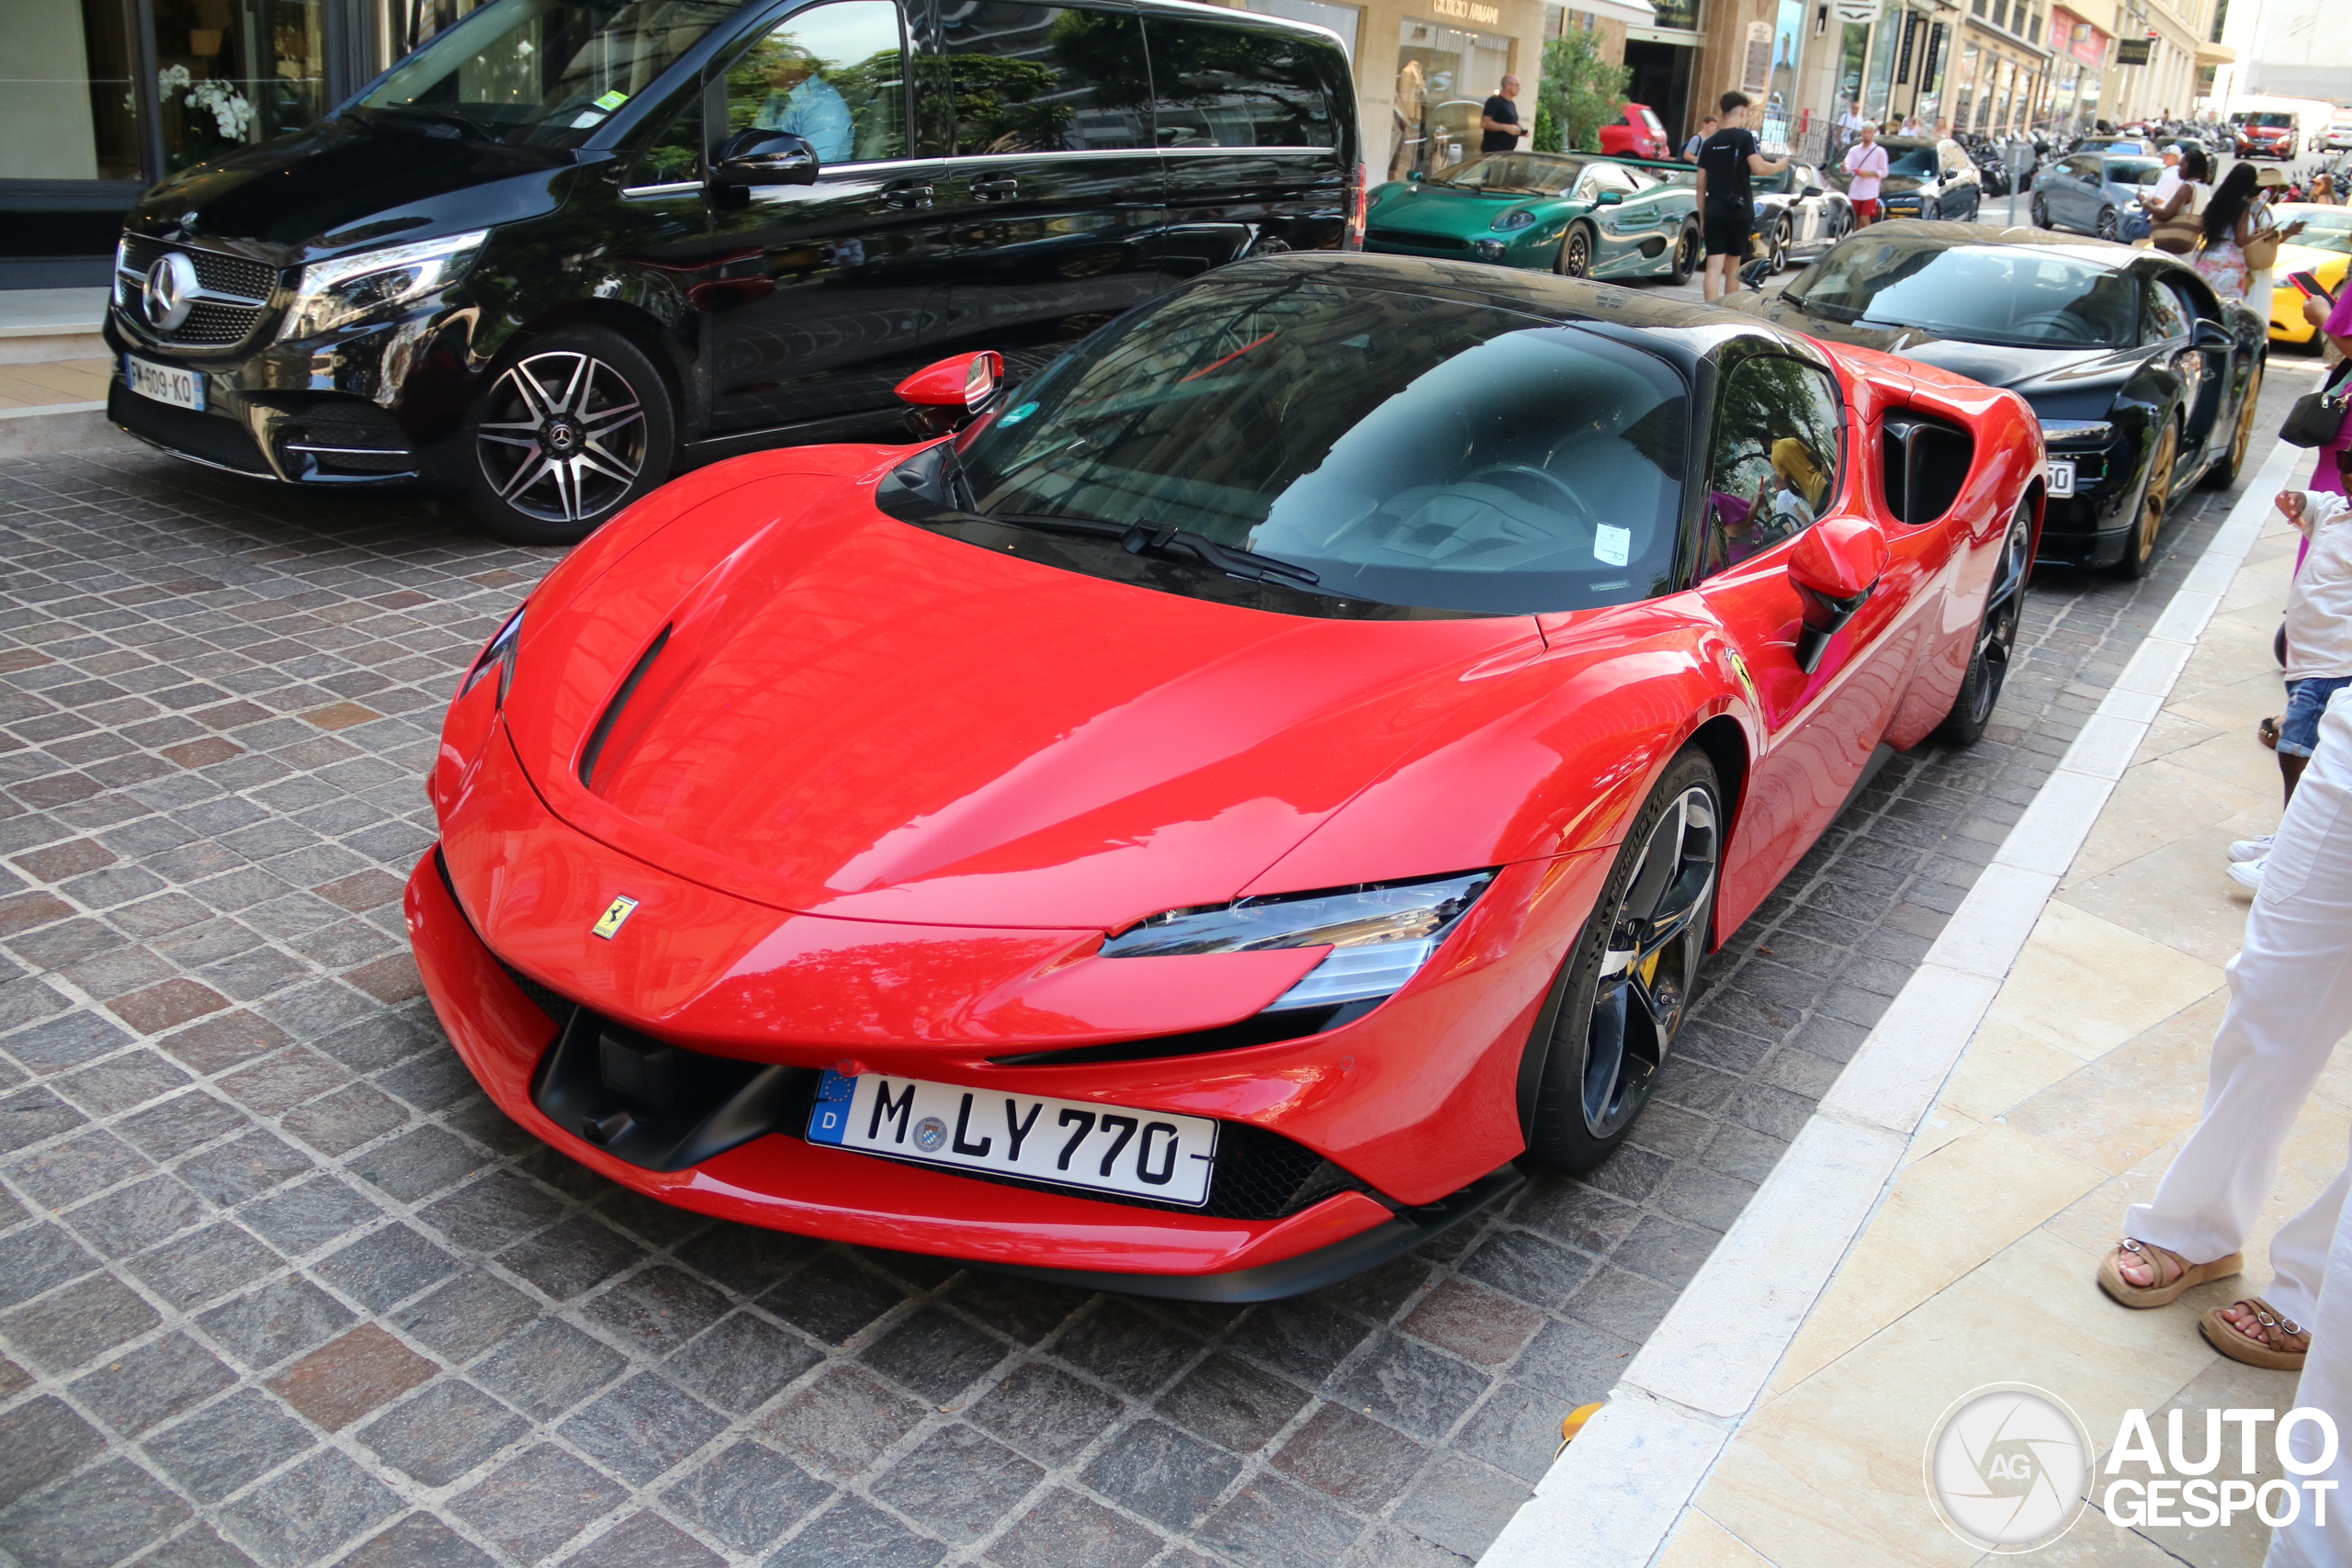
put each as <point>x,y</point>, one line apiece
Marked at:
<point>1996,637</point>
<point>2155,501</point>
<point>1602,1037</point>
<point>2108,225</point>
<point>1687,248</point>
<point>1776,250</point>
<point>2038,210</point>
<point>2224,473</point>
<point>1931,211</point>
<point>576,427</point>
<point>1575,252</point>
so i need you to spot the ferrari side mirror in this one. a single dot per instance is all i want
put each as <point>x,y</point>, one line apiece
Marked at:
<point>950,394</point>
<point>1836,566</point>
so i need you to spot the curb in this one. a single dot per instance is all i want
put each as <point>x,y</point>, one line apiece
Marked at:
<point>1613,1497</point>
<point>58,427</point>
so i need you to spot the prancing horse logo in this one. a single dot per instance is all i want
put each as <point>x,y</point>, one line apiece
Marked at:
<point>616,913</point>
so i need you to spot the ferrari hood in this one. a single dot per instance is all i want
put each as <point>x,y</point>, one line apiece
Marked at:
<point>830,710</point>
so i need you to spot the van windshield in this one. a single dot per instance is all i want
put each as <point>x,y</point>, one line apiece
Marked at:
<point>544,73</point>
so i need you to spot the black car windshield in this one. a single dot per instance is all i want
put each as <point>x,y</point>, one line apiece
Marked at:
<point>2019,294</point>
<point>1515,173</point>
<point>1916,161</point>
<point>2133,171</point>
<point>546,72</point>
<point>1407,450</point>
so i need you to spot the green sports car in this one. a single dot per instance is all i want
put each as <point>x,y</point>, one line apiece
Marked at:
<point>1584,216</point>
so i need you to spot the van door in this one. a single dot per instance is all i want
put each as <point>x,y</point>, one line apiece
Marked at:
<point>836,289</point>
<point>1249,124</point>
<point>1054,189</point>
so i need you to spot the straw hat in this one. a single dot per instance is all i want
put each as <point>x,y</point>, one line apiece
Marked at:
<point>2270,177</point>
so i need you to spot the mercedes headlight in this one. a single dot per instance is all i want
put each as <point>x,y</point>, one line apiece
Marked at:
<point>378,284</point>
<point>498,655</point>
<point>1380,934</point>
<point>1516,218</point>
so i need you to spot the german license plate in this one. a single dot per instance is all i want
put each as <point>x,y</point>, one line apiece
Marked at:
<point>172,384</point>
<point>1070,1142</point>
<point>2061,477</point>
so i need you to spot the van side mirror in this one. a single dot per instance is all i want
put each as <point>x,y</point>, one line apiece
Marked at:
<point>756,157</point>
<point>1836,566</point>
<point>950,394</point>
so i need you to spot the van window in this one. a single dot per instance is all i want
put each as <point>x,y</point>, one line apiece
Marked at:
<point>1045,78</point>
<point>674,153</point>
<point>833,75</point>
<point>1228,86</point>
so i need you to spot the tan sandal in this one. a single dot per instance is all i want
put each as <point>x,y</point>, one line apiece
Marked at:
<point>2163,1292</point>
<point>2275,1350</point>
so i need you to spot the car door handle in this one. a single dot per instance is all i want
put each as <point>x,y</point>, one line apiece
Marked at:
<point>995,188</point>
<point>907,194</point>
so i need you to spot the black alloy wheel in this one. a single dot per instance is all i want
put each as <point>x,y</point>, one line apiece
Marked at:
<point>1997,636</point>
<point>1620,1000</point>
<point>1686,256</point>
<point>2038,210</point>
<point>2108,226</point>
<point>2224,473</point>
<point>1575,252</point>
<point>2155,497</point>
<point>574,430</point>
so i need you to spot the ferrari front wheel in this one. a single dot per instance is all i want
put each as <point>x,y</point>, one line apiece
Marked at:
<point>1612,1020</point>
<point>1997,636</point>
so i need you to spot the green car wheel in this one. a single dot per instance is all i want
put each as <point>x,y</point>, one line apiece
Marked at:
<point>1575,252</point>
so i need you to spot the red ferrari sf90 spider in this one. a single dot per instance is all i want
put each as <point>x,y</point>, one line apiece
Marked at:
<point>1212,823</point>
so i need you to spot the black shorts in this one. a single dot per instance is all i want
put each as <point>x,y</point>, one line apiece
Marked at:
<point>1727,224</point>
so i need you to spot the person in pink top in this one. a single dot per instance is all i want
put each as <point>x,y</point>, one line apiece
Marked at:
<point>1866,161</point>
<point>2336,320</point>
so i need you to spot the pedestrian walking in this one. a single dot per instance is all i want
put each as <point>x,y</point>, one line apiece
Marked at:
<point>2176,217</point>
<point>1500,120</point>
<point>2319,649</point>
<point>2262,250</point>
<point>1698,140</point>
<point>1865,166</point>
<point>2290,1001</point>
<point>1727,196</point>
<point>1849,125</point>
<point>2221,262</point>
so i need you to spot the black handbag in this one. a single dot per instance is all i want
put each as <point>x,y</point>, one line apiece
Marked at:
<point>2317,418</point>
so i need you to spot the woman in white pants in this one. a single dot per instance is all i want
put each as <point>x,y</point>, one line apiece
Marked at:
<point>2290,1001</point>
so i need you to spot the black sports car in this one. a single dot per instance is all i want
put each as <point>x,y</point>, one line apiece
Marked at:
<point>2144,378</point>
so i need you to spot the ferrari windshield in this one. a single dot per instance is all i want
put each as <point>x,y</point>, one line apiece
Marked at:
<point>545,73</point>
<point>1514,174</point>
<point>2024,295</point>
<point>1403,449</point>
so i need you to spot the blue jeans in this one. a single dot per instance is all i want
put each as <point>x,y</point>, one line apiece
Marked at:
<point>2306,700</point>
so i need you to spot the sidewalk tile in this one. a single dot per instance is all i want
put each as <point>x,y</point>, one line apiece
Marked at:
<point>2086,985</point>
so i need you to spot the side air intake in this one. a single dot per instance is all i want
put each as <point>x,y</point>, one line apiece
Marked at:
<point>1926,462</point>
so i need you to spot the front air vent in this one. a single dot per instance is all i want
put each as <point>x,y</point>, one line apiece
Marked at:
<point>1927,461</point>
<point>603,730</point>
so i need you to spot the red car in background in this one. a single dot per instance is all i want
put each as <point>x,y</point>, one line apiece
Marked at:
<point>1640,134</point>
<point>2265,133</point>
<point>1207,826</point>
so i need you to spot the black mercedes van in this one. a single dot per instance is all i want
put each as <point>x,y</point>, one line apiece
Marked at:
<point>570,246</point>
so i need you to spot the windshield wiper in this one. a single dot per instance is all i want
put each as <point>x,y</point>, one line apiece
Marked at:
<point>469,126</point>
<point>1138,538</point>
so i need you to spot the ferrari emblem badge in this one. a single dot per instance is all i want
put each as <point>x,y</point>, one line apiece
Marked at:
<point>608,924</point>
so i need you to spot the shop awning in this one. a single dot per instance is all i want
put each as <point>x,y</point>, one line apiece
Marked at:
<point>2215,55</point>
<point>1632,13</point>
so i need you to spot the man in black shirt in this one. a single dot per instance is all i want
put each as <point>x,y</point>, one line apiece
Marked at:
<point>1726,198</point>
<point>1500,120</point>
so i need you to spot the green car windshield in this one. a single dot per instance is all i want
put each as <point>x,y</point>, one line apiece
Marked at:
<point>1403,449</point>
<point>1514,174</point>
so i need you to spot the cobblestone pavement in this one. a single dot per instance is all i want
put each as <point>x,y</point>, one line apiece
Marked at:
<point>277,1285</point>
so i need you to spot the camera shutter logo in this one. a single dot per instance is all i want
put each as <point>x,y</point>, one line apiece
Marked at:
<point>2007,1467</point>
<point>172,288</point>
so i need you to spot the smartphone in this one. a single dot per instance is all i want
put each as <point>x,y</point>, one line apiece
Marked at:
<point>2310,285</point>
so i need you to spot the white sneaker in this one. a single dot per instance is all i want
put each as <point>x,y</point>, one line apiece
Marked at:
<point>2251,849</point>
<point>2247,874</point>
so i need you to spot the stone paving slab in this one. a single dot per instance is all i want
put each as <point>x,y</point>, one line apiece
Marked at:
<point>278,1286</point>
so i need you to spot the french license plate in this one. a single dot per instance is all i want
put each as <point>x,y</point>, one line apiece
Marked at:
<point>1070,1142</point>
<point>2061,477</point>
<point>172,384</point>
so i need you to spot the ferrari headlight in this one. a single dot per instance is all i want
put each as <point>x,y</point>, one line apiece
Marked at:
<point>1516,218</point>
<point>498,655</point>
<point>1380,934</point>
<point>378,284</point>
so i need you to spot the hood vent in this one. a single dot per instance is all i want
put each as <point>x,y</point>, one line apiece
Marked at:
<point>603,730</point>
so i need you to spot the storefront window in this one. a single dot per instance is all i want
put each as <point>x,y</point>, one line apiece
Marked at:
<point>1885,39</point>
<point>67,110</point>
<point>1340,20</point>
<point>233,72</point>
<point>1443,77</point>
<point>1679,13</point>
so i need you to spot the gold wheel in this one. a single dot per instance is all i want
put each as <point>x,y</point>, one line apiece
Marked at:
<point>2246,423</point>
<point>2158,495</point>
